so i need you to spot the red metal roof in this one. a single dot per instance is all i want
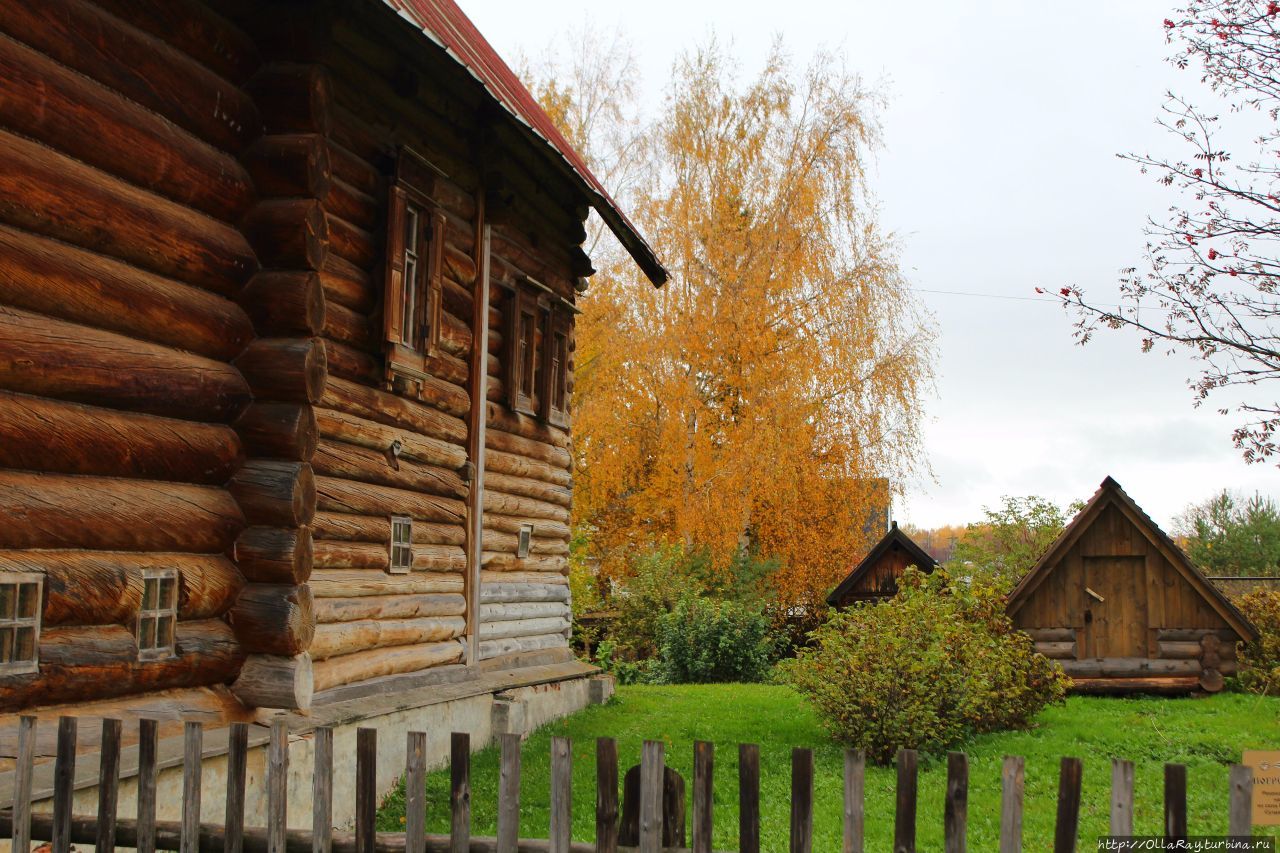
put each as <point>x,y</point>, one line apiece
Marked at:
<point>446,25</point>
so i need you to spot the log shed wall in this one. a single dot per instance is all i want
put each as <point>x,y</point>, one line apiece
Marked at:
<point>122,188</point>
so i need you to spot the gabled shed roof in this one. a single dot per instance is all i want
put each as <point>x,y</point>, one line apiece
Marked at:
<point>1110,493</point>
<point>922,561</point>
<point>444,23</point>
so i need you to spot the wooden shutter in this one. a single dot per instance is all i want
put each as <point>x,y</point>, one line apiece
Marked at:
<point>432,307</point>
<point>393,294</point>
<point>553,395</point>
<point>521,335</point>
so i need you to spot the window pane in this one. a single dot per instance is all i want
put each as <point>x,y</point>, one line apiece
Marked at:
<point>6,645</point>
<point>25,645</point>
<point>166,593</point>
<point>147,633</point>
<point>164,632</point>
<point>28,600</point>
<point>411,230</point>
<point>149,593</point>
<point>527,360</point>
<point>8,597</point>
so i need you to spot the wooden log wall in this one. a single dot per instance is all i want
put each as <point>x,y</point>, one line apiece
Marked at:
<point>123,185</point>
<point>369,622</point>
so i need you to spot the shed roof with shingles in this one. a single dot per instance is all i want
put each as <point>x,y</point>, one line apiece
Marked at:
<point>447,26</point>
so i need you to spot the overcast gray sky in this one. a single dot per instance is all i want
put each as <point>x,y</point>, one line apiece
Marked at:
<point>999,175</point>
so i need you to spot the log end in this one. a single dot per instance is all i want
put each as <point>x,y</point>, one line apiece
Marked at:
<point>271,681</point>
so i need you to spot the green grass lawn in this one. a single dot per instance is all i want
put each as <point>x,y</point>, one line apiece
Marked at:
<point>1206,734</point>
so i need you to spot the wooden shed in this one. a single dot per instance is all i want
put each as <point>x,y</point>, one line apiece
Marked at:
<point>876,577</point>
<point>1119,605</point>
<point>287,299</point>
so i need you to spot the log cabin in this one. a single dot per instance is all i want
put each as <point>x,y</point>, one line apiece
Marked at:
<point>875,578</point>
<point>1120,606</point>
<point>287,301</point>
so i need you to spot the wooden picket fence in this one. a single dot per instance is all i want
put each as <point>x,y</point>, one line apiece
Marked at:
<point>147,834</point>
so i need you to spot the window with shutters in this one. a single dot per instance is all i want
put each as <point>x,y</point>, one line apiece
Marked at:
<point>158,616</point>
<point>523,356</point>
<point>401,544</point>
<point>414,268</point>
<point>20,605</point>
<point>554,394</point>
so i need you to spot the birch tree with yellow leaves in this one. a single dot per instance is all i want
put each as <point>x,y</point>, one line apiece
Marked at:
<point>762,397</point>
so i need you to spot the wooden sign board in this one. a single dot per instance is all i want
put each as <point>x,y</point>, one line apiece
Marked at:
<point>1266,785</point>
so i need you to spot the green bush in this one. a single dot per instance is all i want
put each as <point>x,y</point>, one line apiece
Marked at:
<point>658,579</point>
<point>925,669</point>
<point>704,641</point>
<point>1260,660</point>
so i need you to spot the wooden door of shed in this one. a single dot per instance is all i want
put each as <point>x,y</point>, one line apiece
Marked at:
<point>1116,621</point>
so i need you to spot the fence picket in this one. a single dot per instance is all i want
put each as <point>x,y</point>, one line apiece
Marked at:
<point>21,830</point>
<point>148,746</point>
<point>237,764</point>
<point>459,792</point>
<point>322,792</point>
<point>606,795</point>
<point>277,786</point>
<point>855,764</point>
<point>801,800</point>
<point>651,778</point>
<point>1012,777</point>
<point>415,792</point>
<point>1121,797</point>
<point>192,752</point>
<point>509,795</point>
<point>561,826</point>
<point>748,798</point>
<point>956,811</point>
<point>703,792</point>
<point>904,820</point>
<point>64,772</point>
<point>1240,815</point>
<point>108,786</point>
<point>1175,801</point>
<point>1067,826</point>
<point>366,789</point>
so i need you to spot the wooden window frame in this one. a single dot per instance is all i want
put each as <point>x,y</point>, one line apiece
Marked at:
<point>523,355</point>
<point>414,273</point>
<point>400,551</point>
<point>14,620</point>
<point>524,541</point>
<point>554,395</point>
<point>156,616</point>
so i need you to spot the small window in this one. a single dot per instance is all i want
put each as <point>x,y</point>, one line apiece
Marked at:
<point>401,544</point>
<point>522,354</point>
<point>20,605</point>
<point>158,617</point>
<point>555,393</point>
<point>414,269</point>
<point>525,541</point>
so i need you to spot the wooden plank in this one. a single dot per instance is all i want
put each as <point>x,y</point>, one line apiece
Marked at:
<point>459,792</point>
<point>1011,784</point>
<point>277,786</point>
<point>606,795</point>
<point>561,795</point>
<point>1175,801</point>
<point>366,789</point>
<point>23,772</point>
<point>703,798</point>
<point>801,800</point>
<point>956,810</point>
<point>855,764</point>
<point>192,753</point>
<point>415,792</point>
<point>64,773</point>
<point>477,417</point>
<point>148,747</point>
<point>904,820</point>
<point>322,792</point>
<point>651,779</point>
<point>108,785</point>
<point>237,765</point>
<point>1121,797</point>
<point>1066,829</point>
<point>509,795</point>
<point>748,798</point>
<point>1240,813</point>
